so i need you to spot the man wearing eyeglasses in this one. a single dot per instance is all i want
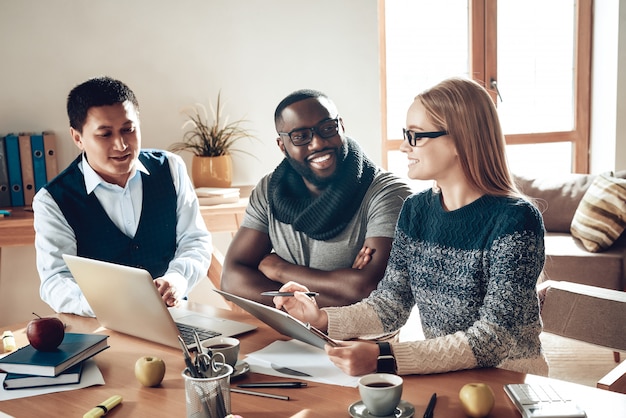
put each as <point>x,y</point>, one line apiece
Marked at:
<point>325,217</point>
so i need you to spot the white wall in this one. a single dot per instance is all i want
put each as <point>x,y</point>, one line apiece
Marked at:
<point>177,53</point>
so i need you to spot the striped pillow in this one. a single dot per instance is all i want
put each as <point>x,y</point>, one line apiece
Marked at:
<point>601,215</point>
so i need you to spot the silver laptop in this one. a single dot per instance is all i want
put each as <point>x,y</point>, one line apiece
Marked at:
<point>126,300</point>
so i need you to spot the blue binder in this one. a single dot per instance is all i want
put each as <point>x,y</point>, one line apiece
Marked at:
<point>39,160</point>
<point>14,168</point>
<point>5,191</point>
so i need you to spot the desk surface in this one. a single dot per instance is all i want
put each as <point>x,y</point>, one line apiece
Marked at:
<point>317,400</point>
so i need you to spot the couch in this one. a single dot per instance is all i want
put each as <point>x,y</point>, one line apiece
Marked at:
<point>567,257</point>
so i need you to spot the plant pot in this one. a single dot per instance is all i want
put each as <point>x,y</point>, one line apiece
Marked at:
<point>212,171</point>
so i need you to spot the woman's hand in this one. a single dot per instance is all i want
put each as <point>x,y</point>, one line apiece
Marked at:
<point>301,306</point>
<point>354,358</point>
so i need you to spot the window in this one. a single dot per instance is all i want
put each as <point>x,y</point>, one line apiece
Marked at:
<point>536,54</point>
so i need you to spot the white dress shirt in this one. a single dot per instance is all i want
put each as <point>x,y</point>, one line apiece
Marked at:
<point>54,236</point>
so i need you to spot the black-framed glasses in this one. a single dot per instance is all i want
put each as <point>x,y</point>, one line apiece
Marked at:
<point>416,138</point>
<point>325,129</point>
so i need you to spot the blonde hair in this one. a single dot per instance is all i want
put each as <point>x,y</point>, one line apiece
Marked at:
<point>464,109</point>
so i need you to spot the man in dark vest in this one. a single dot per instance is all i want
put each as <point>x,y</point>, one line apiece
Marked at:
<point>118,203</point>
<point>325,217</point>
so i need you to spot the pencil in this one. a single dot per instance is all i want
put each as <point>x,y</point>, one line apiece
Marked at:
<point>272,293</point>
<point>263,394</point>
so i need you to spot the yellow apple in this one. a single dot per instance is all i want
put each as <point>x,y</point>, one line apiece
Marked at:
<point>149,370</point>
<point>477,399</point>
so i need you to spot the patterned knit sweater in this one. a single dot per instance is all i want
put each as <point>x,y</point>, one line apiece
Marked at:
<point>472,273</point>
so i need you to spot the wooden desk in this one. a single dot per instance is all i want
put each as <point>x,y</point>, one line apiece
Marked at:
<point>317,400</point>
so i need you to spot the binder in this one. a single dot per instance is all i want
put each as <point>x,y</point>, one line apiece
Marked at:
<point>5,193</point>
<point>39,161</point>
<point>50,149</point>
<point>14,168</point>
<point>28,175</point>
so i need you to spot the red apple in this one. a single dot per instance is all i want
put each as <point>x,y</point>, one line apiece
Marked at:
<point>45,334</point>
<point>149,370</point>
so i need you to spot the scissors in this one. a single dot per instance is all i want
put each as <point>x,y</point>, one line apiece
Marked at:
<point>206,363</point>
<point>210,366</point>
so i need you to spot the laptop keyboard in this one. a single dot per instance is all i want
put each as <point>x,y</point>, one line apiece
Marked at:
<point>186,332</point>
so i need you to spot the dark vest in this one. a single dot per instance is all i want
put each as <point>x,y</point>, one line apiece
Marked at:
<point>154,244</point>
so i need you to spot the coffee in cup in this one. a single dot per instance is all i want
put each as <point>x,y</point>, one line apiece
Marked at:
<point>228,346</point>
<point>381,393</point>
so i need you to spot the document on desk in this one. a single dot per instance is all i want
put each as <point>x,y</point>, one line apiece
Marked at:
<point>91,376</point>
<point>302,357</point>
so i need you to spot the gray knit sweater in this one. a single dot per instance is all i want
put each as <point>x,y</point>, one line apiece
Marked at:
<point>472,273</point>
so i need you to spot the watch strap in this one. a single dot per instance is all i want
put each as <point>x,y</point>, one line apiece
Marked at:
<point>385,363</point>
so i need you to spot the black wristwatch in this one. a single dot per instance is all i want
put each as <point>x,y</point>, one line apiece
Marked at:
<point>386,363</point>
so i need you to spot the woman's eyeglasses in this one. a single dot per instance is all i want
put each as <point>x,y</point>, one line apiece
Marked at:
<point>416,139</point>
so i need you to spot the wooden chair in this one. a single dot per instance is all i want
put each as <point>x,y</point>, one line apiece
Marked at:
<point>591,314</point>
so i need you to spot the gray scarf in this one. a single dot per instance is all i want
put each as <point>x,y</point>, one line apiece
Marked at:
<point>325,216</point>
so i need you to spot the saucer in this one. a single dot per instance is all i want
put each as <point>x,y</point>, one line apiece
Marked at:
<point>241,368</point>
<point>403,410</point>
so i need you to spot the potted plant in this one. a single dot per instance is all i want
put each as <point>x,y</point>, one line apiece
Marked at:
<point>211,141</point>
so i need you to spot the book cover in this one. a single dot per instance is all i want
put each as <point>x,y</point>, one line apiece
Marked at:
<point>28,175</point>
<point>50,148</point>
<point>73,349</point>
<point>14,168</point>
<point>21,381</point>
<point>39,161</point>
<point>217,195</point>
<point>5,192</point>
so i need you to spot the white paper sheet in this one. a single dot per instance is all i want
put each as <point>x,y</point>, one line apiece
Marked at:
<point>302,357</point>
<point>91,376</point>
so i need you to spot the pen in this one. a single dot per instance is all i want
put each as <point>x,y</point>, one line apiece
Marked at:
<point>273,385</point>
<point>263,394</point>
<point>272,293</point>
<point>431,406</point>
<point>193,371</point>
<point>104,407</point>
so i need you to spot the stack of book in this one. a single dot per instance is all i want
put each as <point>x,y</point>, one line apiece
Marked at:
<point>28,368</point>
<point>217,195</point>
<point>27,163</point>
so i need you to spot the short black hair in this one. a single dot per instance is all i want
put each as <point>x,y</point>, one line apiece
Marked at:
<point>97,91</point>
<point>294,97</point>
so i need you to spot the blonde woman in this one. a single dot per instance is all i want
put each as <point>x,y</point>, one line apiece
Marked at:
<point>467,253</point>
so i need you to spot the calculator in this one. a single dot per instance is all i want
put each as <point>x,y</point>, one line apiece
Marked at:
<point>536,400</point>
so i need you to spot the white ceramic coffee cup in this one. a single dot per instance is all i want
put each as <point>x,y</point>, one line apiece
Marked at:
<point>381,393</point>
<point>228,346</point>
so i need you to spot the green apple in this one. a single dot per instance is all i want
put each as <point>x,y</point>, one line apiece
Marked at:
<point>149,370</point>
<point>477,399</point>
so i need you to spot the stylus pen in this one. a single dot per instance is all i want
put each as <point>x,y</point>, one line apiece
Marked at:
<point>309,294</point>
<point>263,394</point>
<point>273,385</point>
<point>431,406</point>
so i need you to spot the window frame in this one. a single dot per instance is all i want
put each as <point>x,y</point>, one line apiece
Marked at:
<point>483,65</point>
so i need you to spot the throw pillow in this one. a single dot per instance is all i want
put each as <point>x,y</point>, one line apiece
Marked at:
<point>601,215</point>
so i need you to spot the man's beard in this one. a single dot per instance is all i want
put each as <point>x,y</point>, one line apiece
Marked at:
<point>305,171</point>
